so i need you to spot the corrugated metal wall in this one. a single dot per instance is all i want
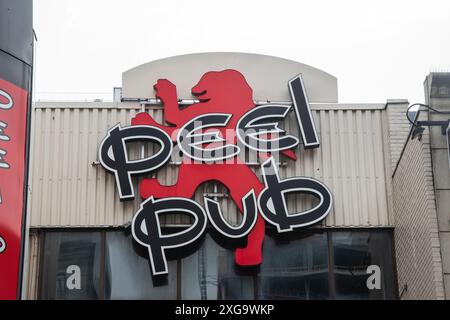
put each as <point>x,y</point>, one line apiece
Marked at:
<point>32,266</point>
<point>69,189</point>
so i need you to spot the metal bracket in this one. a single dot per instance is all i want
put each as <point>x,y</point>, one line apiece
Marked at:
<point>419,127</point>
<point>442,124</point>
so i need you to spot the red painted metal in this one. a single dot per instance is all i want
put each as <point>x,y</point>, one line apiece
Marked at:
<point>12,186</point>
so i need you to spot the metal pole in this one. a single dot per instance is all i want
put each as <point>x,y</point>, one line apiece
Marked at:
<point>187,102</point>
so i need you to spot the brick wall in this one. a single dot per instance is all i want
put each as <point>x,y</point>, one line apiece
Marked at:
<point>398,127</point>
<point>417,246</point>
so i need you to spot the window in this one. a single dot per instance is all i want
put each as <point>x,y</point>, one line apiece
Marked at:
<point>127,271</point>
<point>210,273</point>
<point>320,264</point>
<point>295,268</point>
<point>71,268</point>
<point>353,253</point>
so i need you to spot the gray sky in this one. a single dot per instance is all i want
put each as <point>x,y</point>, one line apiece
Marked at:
<point>378,50</point>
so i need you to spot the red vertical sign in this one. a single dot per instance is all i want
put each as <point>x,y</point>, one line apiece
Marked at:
<point>13,124</point>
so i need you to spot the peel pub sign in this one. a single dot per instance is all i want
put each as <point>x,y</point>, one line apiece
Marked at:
<point>211,135</point>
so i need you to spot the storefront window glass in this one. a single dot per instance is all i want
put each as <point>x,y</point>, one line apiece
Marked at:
<point>211,274</point>
<point>363,266</point>
<point>127,271</point>
<point>71,266</point>
<point>330,264</point>
<point>295,269</point>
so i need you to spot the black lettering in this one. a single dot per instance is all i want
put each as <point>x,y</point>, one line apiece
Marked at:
<point>250,215</point>
<point>146,229</point>
<point>191,143</point>
<point>272,200</point>
<point>113,154</point>
<point>303,113</point>
<point>263,120</point>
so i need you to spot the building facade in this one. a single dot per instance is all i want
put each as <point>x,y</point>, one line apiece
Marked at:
<point>421,198</point>
<point>385,237</point>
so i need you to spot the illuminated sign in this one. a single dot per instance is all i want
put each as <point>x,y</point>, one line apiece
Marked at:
<point>211,135</point>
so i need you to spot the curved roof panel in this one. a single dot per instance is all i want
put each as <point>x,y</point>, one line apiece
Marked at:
<point>267,75</point>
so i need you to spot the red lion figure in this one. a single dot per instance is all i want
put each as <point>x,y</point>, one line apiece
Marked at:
<point>218,92</point>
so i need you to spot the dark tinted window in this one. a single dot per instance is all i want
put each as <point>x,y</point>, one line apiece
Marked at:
<point>70,268</point>
<point>354,253</point>
<point>211,274</point>
<point>303,265</point>
<point>295,268</point>
<point>127,271</point>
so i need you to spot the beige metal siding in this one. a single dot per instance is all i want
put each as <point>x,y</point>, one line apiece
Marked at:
<point>68,190</point>
<point>32,265</point>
